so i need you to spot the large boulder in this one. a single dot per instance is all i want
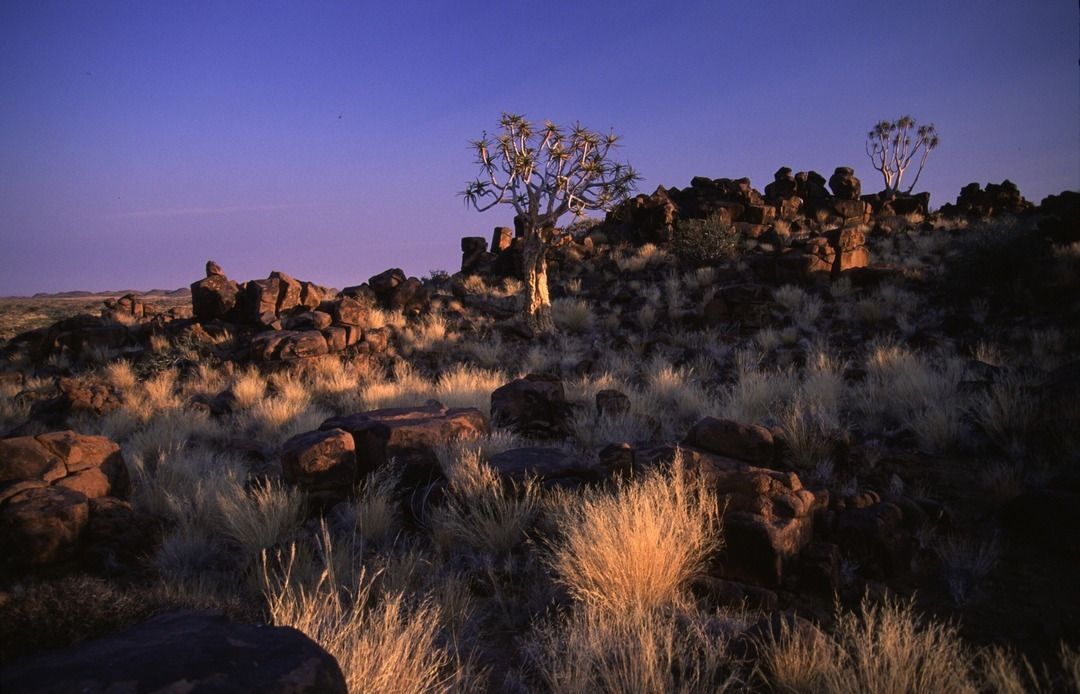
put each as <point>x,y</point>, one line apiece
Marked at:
<point>768,515</point>
<point>844,185</point>
<point>90,464</point>
<point>213,297</point>
<point>782,188</point>
<point>42,525</point>
<point>183,652</point>
<point>534,406</point>
<point>322,463</point>
<point>553,466</point>
<point>409,435</point>
<point>748,442</point>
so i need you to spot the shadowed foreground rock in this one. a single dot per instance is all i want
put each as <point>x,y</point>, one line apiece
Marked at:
<point>194,652</point>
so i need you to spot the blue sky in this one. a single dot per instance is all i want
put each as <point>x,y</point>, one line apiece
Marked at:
<point>329,139</point>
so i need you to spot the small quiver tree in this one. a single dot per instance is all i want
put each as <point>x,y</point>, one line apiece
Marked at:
<point>543,173</point>
<point>893,145</point>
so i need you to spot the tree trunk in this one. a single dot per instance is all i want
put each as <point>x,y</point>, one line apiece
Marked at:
<point>537,299</point>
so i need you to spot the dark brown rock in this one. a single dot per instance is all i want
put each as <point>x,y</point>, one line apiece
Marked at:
<point>321,461</point>
<point>25,458</point>
<point>299,345</point>
<point>748,442</point>
<point>543,463</point>
<point>612,402</point>
<point>408,434</point>
<point>501,239</point>
<point>41,526</point>
<point>213,297</point>
<point>844,185</point>
<point>349,311</point>
<point>183,652</point>
<point>534,406</point>
<point>768,515</point>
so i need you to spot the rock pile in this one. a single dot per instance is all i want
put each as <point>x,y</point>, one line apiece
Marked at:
<point>997,199</point>
<point>60,493</point>
<point>294,319</point>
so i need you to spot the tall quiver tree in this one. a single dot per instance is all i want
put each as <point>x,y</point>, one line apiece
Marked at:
<point>544,172</point>
<point>893,145</point>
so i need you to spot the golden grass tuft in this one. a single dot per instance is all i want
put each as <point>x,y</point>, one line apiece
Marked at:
<point>655,652</point>
<point>637,548</point>
<point>384,642</point>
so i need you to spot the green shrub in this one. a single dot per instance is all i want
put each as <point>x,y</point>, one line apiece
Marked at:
<point>702,242</point>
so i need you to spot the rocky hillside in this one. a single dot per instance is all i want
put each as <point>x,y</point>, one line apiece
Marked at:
<point>766,420</point>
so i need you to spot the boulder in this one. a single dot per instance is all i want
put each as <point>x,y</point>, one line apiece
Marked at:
<point>384,283</point>
<point>322,462</point>
<point>847,210</point>
<point>747,442</point>
<point>300,345</point>
<point>42,525</point>
<point>759,214</point>
<point>89,464</point>
<point>260,301</point>
<point>309,320</point>
<point>408,434</point>
<point>844,185</point>
<point>289,291</point>
<point>550,465</point>
<point>782,188</point>
<point>849,244</point>
<point>214,297</point>
<point>533,406</point>
<point>810,186</point>
<point>612,402</point>
<point>473,253</point>
<point>768,515</point>
<point>349,311</point>
<point>183,652</point>
<point>501,239</point>
<point>646,218</point>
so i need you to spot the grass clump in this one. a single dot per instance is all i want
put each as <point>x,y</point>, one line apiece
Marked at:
<point>637,548</point>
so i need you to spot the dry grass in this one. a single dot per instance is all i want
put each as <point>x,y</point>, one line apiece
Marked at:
<point>458,386</point>
<point>635,549</point>
<point>655,652</point>
<point>482,512</point>
<point>260,518</point>
<point>1008,412</point>
<point>374,514</point>
<point>881,648</point>
<point>966,562</point>
<point>573,315</point>
<point>384,642</point>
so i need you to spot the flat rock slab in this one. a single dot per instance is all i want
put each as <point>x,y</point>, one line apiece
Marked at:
<point>194,652</point>
<point>544,463</point>
<point>410,435</point>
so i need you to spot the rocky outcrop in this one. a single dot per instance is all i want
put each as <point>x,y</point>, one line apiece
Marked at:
<point>48,484</point>
<point>183,652</point>
<point>768,516</point>
<point>996,200</point>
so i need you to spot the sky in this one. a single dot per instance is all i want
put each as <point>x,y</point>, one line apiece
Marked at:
<point>330,140</point>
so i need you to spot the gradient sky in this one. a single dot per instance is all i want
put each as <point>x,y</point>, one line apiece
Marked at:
<point>329,139</point>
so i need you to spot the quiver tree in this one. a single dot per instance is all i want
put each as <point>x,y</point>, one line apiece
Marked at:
<point>543,172</point>
<point>892,146</point>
